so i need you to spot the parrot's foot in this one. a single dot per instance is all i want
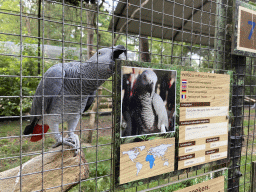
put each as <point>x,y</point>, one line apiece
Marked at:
<point>163,130</point>
<point>72,141</point>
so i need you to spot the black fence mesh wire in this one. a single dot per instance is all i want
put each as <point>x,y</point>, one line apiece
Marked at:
<point>36,34</point>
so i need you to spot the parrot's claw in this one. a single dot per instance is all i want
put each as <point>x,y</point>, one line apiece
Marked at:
<point>72,141</point>
<point>64,142</point>
<point>163,130</point>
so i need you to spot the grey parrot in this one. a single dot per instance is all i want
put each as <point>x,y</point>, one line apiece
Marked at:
<point>147,109</point>
<point>65,97</point>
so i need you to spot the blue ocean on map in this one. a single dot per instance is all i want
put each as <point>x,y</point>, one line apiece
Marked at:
<point>151,160</point>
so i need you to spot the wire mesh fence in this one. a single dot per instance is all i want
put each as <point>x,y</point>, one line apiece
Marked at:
<point>35,35</point>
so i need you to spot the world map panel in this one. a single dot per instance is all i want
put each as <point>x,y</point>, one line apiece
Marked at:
<point>145,159</point>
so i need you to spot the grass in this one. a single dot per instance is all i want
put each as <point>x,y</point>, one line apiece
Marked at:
<point>245,169</point>
<point>249,132</point>
<point>11,147</point>
<point>248,150</point>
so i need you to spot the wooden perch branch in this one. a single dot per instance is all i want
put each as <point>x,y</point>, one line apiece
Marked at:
<point>249,99</point>
<point>106,89</point>
<point>52,176</point>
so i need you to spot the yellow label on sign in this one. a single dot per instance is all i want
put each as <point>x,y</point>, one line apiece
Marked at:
<point>204,107</point>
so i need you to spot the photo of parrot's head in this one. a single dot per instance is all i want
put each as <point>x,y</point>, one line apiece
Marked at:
<point>146,82</point>
<point>149,80</point>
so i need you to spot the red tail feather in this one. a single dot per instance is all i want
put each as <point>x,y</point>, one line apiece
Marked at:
<point>38,130</point>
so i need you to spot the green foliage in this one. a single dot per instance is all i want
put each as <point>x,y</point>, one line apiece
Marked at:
<point>9,22</point>
<point>102,185</point>
<point>101,170</point>
<point>108,85</point>
<point>11,84</point>
<point>69,55</point>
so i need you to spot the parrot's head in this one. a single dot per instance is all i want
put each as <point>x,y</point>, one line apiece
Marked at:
<point>148,81</point>
<point>107,56</point>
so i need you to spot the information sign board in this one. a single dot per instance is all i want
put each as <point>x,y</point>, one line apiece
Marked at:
<point>213,185</point>
<point>148,98</point>
<point>204,106</point>
<point>145,150</point>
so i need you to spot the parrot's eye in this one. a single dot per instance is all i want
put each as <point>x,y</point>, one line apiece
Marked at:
<point>99,53</point>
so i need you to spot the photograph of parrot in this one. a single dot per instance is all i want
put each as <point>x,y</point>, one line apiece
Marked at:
<point>147,109</point>
<point>167,93</point>
<point>67,90</point>
<point>126,123</point>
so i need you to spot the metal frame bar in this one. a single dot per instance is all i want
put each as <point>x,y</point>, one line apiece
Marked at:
<point>169,51</point>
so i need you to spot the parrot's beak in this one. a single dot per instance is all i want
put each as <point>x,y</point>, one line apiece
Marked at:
<point>118,50</point>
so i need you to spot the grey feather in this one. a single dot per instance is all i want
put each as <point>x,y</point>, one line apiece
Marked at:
<point>160,111</point>
<point>90,100</point>
<point>53,81</point>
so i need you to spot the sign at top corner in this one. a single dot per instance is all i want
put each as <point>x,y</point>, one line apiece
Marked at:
<point>246,34</point>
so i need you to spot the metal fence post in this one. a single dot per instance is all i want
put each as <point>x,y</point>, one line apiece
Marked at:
<point>239,62</point>
<point>253,189</point>
<point>39,35</point>
<point>224,60</point>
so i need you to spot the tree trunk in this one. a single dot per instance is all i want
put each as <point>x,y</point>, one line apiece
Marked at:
<point>90,31</point>
<point>93,116</point>
<point>28,25</point>
<point>144,52</point>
